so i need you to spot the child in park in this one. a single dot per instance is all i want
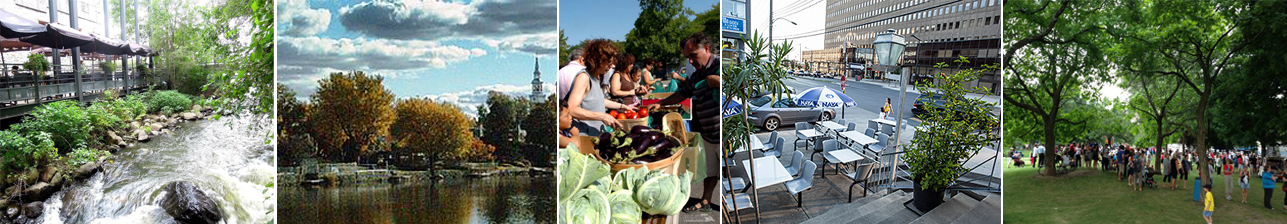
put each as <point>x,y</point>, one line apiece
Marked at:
<point>1208,203</point>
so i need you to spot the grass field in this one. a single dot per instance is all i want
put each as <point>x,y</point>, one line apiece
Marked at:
<point>1091,196</point>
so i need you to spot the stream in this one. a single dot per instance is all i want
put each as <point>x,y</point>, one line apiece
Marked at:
<point>226,158</point>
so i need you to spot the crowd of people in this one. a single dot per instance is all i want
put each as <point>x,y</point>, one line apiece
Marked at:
<point>600,78</point>
<point>1135,166</point>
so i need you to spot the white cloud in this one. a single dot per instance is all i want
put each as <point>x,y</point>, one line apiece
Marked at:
<point>370,54</point>
<point>434,19</point>
<point>298,19</point>
<point>542,44</point>
<point>468,101</point>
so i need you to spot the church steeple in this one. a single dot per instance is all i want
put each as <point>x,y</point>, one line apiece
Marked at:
<point>538,91</point>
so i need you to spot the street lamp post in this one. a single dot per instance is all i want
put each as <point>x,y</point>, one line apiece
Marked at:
<point>888,48</point>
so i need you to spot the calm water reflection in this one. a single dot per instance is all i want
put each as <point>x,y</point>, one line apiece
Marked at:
<point>487,200</point>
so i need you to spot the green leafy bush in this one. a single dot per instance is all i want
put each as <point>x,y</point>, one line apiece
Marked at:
<point>65,121</point>
<point>21,151</point>
<point>130,107</point>
<point>193,81</point>
<point>101,117</point>
<point>82,155</point>
<point>168,101</point>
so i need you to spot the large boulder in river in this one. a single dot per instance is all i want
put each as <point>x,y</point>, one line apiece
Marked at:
<point>113,139</point>
<point>33,210</point>
<point>189,116</point>
<point>189,205</point>
<point>39,191</point>
<point>141,135</point>
<point>86,170</point>
<point>12,212</point>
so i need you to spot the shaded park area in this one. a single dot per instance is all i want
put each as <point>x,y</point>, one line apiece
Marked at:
<point>1091,196</point>
<point>1138,84</point>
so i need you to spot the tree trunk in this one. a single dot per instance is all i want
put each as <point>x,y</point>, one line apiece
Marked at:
<point>1157,157</point>
<point>1049,126</point>
<point>1201,144</point>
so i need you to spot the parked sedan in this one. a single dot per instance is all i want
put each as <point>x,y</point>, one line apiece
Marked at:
<point>770,114</point>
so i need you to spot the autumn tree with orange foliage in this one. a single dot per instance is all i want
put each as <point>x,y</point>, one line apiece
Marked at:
<point>350,114</point>
<point>439,130</point>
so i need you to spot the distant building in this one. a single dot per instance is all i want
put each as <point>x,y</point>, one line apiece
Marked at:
<point>935,31</point>
<point>538,91</point>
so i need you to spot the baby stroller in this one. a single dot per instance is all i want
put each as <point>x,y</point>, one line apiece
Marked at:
<point>1148,178</point>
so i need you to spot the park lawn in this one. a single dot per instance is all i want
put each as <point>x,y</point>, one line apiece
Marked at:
<point>1090,196</point>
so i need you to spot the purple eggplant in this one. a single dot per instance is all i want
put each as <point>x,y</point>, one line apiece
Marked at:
<point>641,144</point>
<point>663,146</point>
<point>640,129</point>
<point>655,137</point>
<point>604,141</point>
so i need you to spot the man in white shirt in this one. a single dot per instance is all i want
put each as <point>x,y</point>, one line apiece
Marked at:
<point>569,71</point>
<point>1041,157</point>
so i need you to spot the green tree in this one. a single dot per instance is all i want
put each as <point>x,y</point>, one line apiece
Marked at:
<point>193,35</point>
<point>564,49</point>
<point>541,125</point>
<point>1201,41</point>
<point>1053,52</point>
<point>658,30</point>
<point>1247,104</point>
<point>501,125</point>
<point>351,112</point>
<point>1158,100</point>
<point>294,137</point>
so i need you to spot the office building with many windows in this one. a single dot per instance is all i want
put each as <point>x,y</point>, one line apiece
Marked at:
<point>935,31</point>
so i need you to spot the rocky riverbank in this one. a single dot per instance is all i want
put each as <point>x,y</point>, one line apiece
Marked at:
<point>23,196</point>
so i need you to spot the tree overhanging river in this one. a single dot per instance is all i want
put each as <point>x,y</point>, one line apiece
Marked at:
<point>226,158</point>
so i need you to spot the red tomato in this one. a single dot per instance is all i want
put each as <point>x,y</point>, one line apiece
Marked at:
<point>619,116</point>
<point>643,112</point>
<point>613,113</point>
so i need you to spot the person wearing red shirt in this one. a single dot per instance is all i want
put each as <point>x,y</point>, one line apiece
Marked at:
<point>1228,180</point>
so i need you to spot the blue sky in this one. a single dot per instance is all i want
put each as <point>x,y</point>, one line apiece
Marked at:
<point>612,19</point>
<point>451,51</point>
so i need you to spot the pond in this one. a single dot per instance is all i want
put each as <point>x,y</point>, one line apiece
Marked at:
<point>511,199</point>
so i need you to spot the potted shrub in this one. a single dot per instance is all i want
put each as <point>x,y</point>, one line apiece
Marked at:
<point>954,129</point>
<point>37,64</point>
<point>108,68</point>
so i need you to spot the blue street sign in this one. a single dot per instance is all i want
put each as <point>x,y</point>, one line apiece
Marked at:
<point>732,24</point>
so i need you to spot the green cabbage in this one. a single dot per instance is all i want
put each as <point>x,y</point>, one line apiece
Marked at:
<point>588,206</point>
<point>577,171</point>
<point>663,194</point>
<point>624,208</point>
<point>588,195</point>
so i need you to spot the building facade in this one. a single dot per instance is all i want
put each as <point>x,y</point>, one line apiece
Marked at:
<point>936,31</point>
<point>91,16</point>
<point>734,20</point>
